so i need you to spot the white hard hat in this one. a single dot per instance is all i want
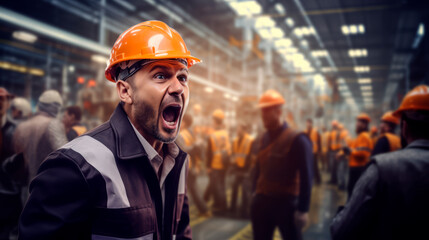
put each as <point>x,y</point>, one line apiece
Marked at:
<point>22,105</point>
<point>51,96</point>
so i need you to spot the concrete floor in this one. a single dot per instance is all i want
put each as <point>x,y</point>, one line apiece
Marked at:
<point>325,200</point>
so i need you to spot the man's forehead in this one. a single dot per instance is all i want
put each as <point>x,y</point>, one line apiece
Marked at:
<point>168,63</point>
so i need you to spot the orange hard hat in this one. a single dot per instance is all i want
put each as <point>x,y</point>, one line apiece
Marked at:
<point>218,113</point>
<point>363,116</point>
<point>148,40</point>
<point>270,98</point>
<point>334,123</point>
<point>388,117</point>
<point>416,99</point>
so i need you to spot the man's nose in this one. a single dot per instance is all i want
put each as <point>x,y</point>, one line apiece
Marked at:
<point>176,87</point>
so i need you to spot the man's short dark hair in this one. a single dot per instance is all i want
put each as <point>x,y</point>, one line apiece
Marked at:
<point>75,110</point>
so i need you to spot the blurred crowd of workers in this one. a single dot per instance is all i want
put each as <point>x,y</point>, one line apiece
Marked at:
<point>387,186</point>
<point>26,139</point>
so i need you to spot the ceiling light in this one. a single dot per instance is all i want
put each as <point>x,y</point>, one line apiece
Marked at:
<point>421,29</point>
<point>367,100</point>
<point>290,22</point>
<point>227,96</point>
<point>366,87</point>
<point>208,89</point>
<point>361,28</point>
<point>328,69</point>
<point>246,8</point>
<point>24,36</point>
<point>264,22</point>
<point>367,94</point>
<point>99,58</point>
<point>353,29</point>
<point>364,80</point>
<point>283,43</point>
<point>277,32</point>
<point>360,69</point>
<point>358,52</point>
<point>298,32</point>
<point>319,53</point>
<point>343,88</point>
<point>279,7</point>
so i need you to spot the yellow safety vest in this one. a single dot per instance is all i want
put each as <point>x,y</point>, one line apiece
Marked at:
<point>240,150</point>
<point>220,146</point>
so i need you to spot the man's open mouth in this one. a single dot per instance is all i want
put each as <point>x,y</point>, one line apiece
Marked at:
<point>170,115</point>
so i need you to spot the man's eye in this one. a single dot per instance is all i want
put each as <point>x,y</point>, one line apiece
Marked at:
<point>183,78</point>
<point>160,76</point>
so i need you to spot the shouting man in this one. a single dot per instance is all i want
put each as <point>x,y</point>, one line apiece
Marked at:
<point>126,178</point>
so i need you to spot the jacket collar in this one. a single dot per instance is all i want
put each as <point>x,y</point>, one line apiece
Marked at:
<point>128,145</point>
<point>420,143</point>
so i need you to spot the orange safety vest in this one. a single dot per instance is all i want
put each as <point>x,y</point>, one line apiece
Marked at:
<point>314,137</point>
<point>220,147</point>
<point>334,137</point>
<point>240,150</point>
<point>79,129</point>
<point>361,150</point>
<point>324,140</point>
<point>189,141</point>
<point>394,141</point>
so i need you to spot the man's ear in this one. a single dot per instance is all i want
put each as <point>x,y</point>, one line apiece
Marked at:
<point>124,91</point>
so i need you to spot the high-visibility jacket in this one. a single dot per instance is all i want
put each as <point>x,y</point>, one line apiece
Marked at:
<point>334,140</point>
<point>314,137</point>
<point>325,142</point>
<point>394,141</point>
<point>220,148</point>
<point>361,150</point>
<point>241,149</point>
<point>189,140</point>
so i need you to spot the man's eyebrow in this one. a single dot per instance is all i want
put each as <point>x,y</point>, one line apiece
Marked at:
<point>159,66</point>
<point>184,69</point>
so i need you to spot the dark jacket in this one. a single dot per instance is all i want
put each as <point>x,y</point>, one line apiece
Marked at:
<point>101,185</point>
<point>390,200</point>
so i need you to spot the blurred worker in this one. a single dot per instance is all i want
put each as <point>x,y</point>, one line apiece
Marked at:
<point>390,200</point>
<point>20,109</point>
<point>283,175</point>
<point>71,121</point>
<point>388,140</point>
<point>112,183</point>
<point>334,144</point>
<point>342,158</point>
<point>374,134</point>
<point>325,147</point>
<point>218,158</point>
<point>10,204</point>
<point>188,143</point>
<point>314,136</point>
<point>241,147</point>
<point>360,151</point>
<point>42,133</point>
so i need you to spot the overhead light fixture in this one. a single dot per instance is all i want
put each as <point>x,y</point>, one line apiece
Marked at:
<point>358,52</point>
<point>361,69</point>
<point>234,98</point>
<point>283,43</point>
<point>280,9</point>
<point>270,33</point>
<point>264,22</point>
<point>353,29</point>
<point>367,94</point>
<point>246,8</point>
<point>364,80</point>
<point>319,53</point>
<point>343,88</point>
<point>366,88</point>
<point>227,96</point>
<point>290,22</point>
<point>24,36</point>
<point>421,29</point>
<point>99,58</point>
<point>304,31</point>
<point>367,99</point>
<point>328,69</point>
<point>208,89</point>
<point>419,35</point>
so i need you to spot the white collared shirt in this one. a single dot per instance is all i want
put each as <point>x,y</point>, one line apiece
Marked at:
<point>157,161</point>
